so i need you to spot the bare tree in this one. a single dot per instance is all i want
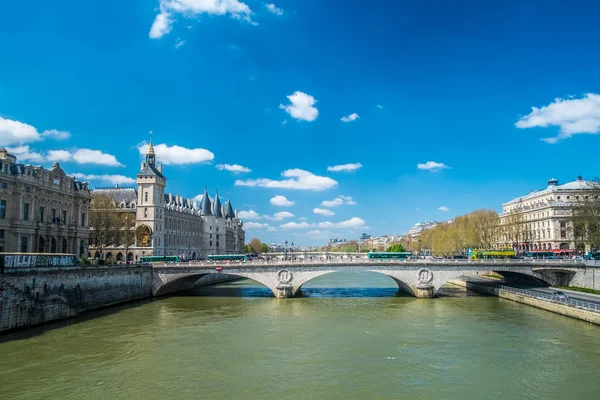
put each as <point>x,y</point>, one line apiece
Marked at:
<point>103,221</point>
<point>256,245</point>
<point>586,216</point>
<point>127,238</point>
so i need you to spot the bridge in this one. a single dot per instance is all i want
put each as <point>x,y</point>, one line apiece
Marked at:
<point>420,278</point>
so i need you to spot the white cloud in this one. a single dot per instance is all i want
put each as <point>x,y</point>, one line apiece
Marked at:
<point>255,225</point>
<point>179,43</point>
<point>235,168</point>
<point>59,155</point>
<point>350,118</point>
<point>323,211</point>
<point>338,201</point>
<point>353,222</point>
<point>284,122</point>
<point>432,166</point>
<point>56,134</point>
<point>163,23</point>
<point>250,214</point>
<point>573,116</point>
<point>295,225</point>
<point>113,179</point>
<point>379,106</point>
<point>298,179</point>
<point>443,208</point>
<point>280,215</point>
<point>15,132</point>
<point>87,156</point>
<point>177,155</point>
<point>281,201</point>
<point>344,167</point>
<point>272,8</point>
<point>24,153</point>
<point>301,107</point>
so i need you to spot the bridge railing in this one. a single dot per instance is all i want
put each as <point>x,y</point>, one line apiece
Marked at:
<point>545,296</point>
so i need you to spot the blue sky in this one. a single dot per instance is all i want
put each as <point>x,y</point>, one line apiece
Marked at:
<point>290,88</point>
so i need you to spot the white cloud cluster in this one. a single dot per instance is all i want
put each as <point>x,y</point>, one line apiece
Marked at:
<point>354,222</point>
<point>177,155</point>
<point>323,211</point>
<point>25,153</point>
<point>112,179</point>
<point>169,9</point>
<point>250,214</point>
<point>432,166</point>
<point>344,167</point>
<point>573,116</point>
<point>301,107</point>
<point>278,216</point>
<point>281,201</point>
<point>443,208</point>
<point>255,225</point>
<point>338,201</point>
<point>80,156</point>
<point>350,118</point>
<point>235,168</point>
<point>298,179</point>
<point>17,133</point>
<point>274,9</point>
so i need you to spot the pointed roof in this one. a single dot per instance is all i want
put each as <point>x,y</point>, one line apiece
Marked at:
<point>217,206</point>
<point>229,209</point>
<point>205,205</point>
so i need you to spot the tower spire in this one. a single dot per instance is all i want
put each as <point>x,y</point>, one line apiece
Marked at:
<point>150,155</point>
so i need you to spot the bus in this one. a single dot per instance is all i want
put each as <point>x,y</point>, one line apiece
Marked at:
<point>227,257</point>
<point>540,254</point>
<point>157,259</point>
<point>482,254</point>
<point>403,255</point>
<point>593,255</point>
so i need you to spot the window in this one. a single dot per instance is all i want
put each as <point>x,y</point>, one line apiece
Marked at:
<point>146,196</point>
<point>4,185</point>
<point>53,213</point>
<point>2,209</point>
<point>27,189</point>
<point>5,168</point>
<point>83,219</point>
<point>210,243</point>
<point>145,213</point>
<point>64,216</point>
<point>211,236</point>
<point>42,209</point>
<point>1,233</point>
<point>24,244</point>
<point>217,244</point>
<point>25,211</point>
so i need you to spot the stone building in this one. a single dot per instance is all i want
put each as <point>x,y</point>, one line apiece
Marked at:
<point>167,224</point>
<point>541,220</point>
<point>42,210</point>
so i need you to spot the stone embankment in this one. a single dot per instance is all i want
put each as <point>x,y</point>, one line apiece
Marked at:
<point>553,306</point>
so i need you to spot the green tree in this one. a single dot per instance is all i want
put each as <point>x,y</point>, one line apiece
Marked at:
<point>264,248</point>
<point>247,248</point>
<point>396,247</point>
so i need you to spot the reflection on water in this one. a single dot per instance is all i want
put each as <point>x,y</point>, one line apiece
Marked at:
<point>350,337</point>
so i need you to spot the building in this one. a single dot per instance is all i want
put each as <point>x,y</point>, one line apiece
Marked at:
<point>42,210</point>
<point>418,228</point>
<point>167,224</point>
<point>540,220</point>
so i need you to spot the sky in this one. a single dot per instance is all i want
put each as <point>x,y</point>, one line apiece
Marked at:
<point>319,118</point>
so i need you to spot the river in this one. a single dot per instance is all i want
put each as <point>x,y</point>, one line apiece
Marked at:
<point>350,337</point>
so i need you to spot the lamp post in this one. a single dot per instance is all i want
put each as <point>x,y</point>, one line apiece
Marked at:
<point>286,242</point>
<point>419,247</point>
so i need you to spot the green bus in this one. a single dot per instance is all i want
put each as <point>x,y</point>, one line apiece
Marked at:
<point>403,255</point>
<point>157,259</point>
<point>227,257</point>
<point>540,255</point>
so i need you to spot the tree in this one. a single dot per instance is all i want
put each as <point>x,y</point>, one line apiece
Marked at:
<point>103,221</point>
<point>396,247</point>
<point>485,225</point>
<point>247,248</point>
<point>586,216</point>
<point>127,236</point>
<point>256,245</point>
<point>514,228</point>
<point>264,248</point>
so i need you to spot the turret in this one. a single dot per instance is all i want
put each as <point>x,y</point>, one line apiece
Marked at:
<point>205,204</point>
<point>218,209</point>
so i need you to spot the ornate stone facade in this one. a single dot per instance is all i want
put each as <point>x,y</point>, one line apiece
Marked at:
<point>42,210</point>
<point>167,224</point>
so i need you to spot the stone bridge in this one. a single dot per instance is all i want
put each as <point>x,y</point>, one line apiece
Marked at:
<point>419,278</point>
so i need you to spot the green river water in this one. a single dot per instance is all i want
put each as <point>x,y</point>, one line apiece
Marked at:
<point>349,338</point>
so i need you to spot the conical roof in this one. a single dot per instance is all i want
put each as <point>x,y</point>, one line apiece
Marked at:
<point>217,206</point>
<point>205,205</point>
<point>229,210</point>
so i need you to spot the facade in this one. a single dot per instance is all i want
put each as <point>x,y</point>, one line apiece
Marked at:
<point>167,224</point>
<point>42,210</point>
<point>540,221</point>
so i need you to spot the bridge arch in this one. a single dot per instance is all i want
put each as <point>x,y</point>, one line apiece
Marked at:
<point>171,283</point>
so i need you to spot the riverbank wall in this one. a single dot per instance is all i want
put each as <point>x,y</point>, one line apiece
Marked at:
<point>563,309</point>
<point>35,296</point>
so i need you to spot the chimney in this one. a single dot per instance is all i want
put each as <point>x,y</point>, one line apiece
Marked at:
<point>159,167</point>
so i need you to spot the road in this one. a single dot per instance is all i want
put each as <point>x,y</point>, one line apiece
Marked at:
<point>590,298</point>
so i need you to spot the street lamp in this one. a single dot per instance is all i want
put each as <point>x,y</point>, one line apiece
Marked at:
<point>419,247</point>
<point>286,249</point>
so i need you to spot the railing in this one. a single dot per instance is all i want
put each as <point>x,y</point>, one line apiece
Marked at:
<point>544,296</point>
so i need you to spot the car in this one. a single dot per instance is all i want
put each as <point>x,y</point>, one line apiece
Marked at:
<point>560,295</point>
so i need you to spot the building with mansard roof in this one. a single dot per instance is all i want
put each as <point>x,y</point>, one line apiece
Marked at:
<point>168,224</point>
<point>42,210</point>
<point>541,219</point>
